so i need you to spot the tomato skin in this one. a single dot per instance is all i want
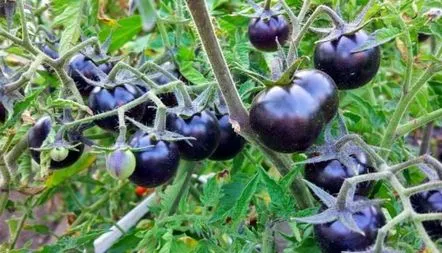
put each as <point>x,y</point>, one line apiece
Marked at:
<point>289,119</point>
<point>349,70</point>
<point>230,143</point>
<point>422,37</point>
<point>38,134</point>
<point>169,99</point>
<point>155,165</point>
<point>330,175</point>
<point>3,113</point>
<point>429,202</point>
<point>50,52</point>
<point>103,100</point>
<point>82,64</point>
<point>335,237</point>
<point>263,33</point>
<point>203,127</point>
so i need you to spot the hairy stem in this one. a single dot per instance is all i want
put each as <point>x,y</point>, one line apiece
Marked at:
<point>418,122</point>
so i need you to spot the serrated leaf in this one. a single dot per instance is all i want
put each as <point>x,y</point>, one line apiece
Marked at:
<point>211,193</point>
<point>70,19</point>
<point>242,204</point>
<point>280,200</point>
<point>378,38</point>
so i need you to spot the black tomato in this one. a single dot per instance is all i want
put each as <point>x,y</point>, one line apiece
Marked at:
<point>336,237</point>
<point>169,99</point>
<point>349,70</point>
<point>85,66</point>
<point>422,37</point>
<point>290,118</point>
<point>429,202</point>
<point>330,175</point>
<point>203,127</point>
<point>103,100</point>
<point>38,134</point>
<point>3,113</point>
<point>156,164</point>
<point>50,52</point>
<point>230,143</point>
<point>263,32</point>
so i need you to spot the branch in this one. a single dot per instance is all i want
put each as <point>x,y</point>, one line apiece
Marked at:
<point>419,122</point>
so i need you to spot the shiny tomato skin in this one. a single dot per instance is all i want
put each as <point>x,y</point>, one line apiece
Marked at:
<point>429,202</point>
<point>349,70</point>
<point>82,64</point>
<point>330,175</point>
<point>103,100</point>
<point>336,237</point>
<point>230,144</point>
<point>156,164</point>
<point>38,134</point>
<point>263,32</point>
<point>203,127</point>
<point>289,118</point>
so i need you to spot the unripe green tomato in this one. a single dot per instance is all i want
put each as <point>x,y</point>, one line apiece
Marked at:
<point>59,154</point>
<point>120,163</point>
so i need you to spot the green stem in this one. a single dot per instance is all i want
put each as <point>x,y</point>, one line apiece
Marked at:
<point>186,170</point>
<point>419,122</point>
<point>268,239</point>
<point>267,5</point>
<point>17,233</point>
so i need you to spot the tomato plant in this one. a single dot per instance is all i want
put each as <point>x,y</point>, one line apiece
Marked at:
<point>220,126</point>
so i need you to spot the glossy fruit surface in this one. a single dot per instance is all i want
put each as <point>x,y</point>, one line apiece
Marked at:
<point>103,100</point>
<point>290,118</point>
<point>330,175</point>
<point>120,163</point>
<point>87,68</point>
<point>38,134</point>
<point>335,237</point>
<point>429,202</point>
<point>230,143</point>
<point>350,70</point>
<point>263,32</point>
<point>155,164</point>
<point>203,127</point>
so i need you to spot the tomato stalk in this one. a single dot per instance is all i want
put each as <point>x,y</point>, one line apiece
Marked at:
<point>337,20</point>
<point>238,113</point>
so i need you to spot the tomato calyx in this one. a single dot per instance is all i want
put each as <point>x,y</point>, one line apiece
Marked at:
<point>342,28</point>
<point>334,212</point>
